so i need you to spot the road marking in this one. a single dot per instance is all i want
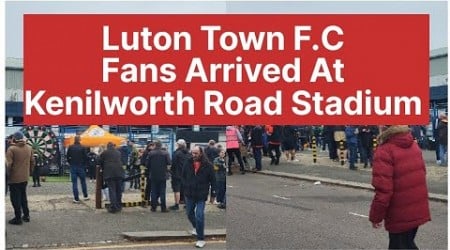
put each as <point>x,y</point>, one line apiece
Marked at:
<point>360,215</point>
<point>281,197</point>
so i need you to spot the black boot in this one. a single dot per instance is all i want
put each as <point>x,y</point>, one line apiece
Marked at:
<point>15,221</point>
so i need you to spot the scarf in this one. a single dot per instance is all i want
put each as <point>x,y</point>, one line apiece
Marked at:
<point>196,166</point>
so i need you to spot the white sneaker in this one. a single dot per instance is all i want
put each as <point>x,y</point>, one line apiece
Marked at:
<point>194,231</point>
<point>76,201</point>
<point>86,198</point>
<point>200,244</point>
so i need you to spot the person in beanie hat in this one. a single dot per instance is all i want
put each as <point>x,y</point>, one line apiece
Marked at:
<point>19,161</point>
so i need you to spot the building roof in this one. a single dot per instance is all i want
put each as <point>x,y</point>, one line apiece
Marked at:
<point>441,52</point>
<point>14,63</point>
<point>17,63</point>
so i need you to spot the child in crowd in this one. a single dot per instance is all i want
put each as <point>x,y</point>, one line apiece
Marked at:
<point>220,169</point>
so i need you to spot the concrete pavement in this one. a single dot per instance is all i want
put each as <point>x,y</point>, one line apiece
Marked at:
<point>56,222</point>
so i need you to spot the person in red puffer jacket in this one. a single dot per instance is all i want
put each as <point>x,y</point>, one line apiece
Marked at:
<point>401,195</point>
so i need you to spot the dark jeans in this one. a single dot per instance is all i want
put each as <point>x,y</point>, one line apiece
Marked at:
<point>158,191</point>
<point>36,175</point>
<point>75,173</point>
<point>195,211</point>
<point>332,149</point>
<point>276,148</point>
<point>220,190</point>
<point>353,153</point>
<point>134,170</point>
<point>91,172</point>
<point>366,155</point>
<point>115,193</point>
<point>19,201</point>
<point>148,188</point>
<point>231,152</point>
<point>403,240</point>
<point>258,156</point>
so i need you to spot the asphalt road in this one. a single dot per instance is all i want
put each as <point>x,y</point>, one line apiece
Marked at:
<point>219,244</point>
<point>276,213</point>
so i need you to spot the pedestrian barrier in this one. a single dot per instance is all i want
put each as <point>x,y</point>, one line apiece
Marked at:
<point>314,149</point>
<point>98,195</point>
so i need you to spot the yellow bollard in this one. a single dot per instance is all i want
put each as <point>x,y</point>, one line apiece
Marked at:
<point>314,149</point>
<point>341,152</point>
<point>143,182</point>
<point>374,143</point>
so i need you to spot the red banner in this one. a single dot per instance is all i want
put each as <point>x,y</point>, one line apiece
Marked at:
<point>226,69</point>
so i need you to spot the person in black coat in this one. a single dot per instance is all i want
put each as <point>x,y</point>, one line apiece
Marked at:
<point>197,176</point>
<point>77,158</point>
<point>256,141</point>
<point>157,162</point>
<point>180,155</point>
<point>113,175</point>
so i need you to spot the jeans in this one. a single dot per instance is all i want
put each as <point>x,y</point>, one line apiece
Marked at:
<point>18,196</point>
<point>220,190</point>
<point>352,148</point>
<point>135,182</point>
<point>75,173</point>
<point>115,193</point>
<point>195,211</point>
<point>231,152</point>
<point>276,148</point>
<point>258,156</point>
<point>443,154</point>
<point>366,155</point>
<point>36,177</point>
<point>403,240</point>
<point>158,191</point>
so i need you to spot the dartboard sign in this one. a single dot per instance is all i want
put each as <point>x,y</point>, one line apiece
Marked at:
<point>43,141</point>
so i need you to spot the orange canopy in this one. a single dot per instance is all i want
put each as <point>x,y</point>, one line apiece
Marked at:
<point>95,136</point>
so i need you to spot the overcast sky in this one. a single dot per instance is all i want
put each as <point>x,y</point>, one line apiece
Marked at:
<point>14,12</point>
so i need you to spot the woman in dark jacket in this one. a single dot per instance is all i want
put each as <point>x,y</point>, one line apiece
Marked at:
<point>197,177</point>
<point>113,174</point>
<point>401,195</point>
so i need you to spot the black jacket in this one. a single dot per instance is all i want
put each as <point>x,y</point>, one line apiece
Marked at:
<point>157,162</point>
<point>77,155</point>
<point>211,152</point>
<point>196,186</point>
<point>179,158</point>
<point>256,136</point>
<point>111,164</point>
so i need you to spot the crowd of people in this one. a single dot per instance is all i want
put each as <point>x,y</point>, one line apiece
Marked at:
<point>200,173</point>
<point>192,176</point>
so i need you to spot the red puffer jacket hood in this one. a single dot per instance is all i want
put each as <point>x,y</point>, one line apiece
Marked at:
<point>399,179</point>
<point>398,135</point>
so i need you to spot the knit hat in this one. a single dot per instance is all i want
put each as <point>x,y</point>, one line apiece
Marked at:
<point>18,135</point>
